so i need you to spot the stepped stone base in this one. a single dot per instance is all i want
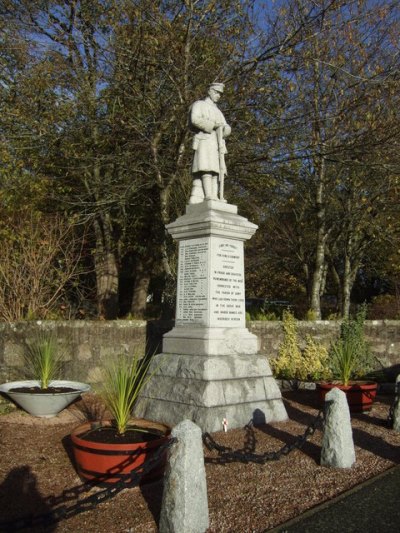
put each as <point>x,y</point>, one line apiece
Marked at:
<point>207,389</point>
<point>210,341</point>
<point>210,368</point>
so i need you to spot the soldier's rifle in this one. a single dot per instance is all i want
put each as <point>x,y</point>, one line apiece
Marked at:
<point>220,141</point>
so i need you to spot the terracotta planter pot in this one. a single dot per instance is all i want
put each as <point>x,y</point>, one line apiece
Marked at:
<point>109,463</point>
<point>360,395</point>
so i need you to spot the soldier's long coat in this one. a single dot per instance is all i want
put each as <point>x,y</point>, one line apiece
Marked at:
<point>204,117</point>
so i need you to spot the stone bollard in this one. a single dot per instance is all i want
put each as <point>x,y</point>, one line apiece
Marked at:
<point>396,408</point>
<point>337,443</point>
<point>184,505</point>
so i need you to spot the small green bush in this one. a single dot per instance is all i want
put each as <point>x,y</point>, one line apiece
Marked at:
<point>316,357</point>
<point>124,380</point>
<point>333,316</point>
<point>256,313</point>
<point>294,363</point>
<point>289,360</point>
<point>385,306</point>
<point>42,360</point>
<point>264,315</point>
<point>310,315</point>
<point>350,356</point>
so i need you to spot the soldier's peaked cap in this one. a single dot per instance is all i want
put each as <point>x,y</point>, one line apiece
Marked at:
<point>218,87</point>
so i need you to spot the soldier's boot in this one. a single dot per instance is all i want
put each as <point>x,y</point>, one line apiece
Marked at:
<point>214,184</point>
<point>197,194</point>
<point>208,186</point>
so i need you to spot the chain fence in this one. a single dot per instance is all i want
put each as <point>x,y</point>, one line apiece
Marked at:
<point>248,455</point>
<point>394,404</point>
<point>62,511</point>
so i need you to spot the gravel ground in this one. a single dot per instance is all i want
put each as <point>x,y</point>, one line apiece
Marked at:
<point>37,473</point>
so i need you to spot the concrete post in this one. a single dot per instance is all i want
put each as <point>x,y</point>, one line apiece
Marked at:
<point>185,505</point>
<point>337,443</point>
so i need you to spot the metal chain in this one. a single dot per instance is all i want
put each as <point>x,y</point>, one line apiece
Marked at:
<point>64,512</point>
<point>247,455</point>
<point>226,455</point>
<point>390,418</point>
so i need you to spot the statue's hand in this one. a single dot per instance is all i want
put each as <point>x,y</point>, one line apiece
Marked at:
<point>226,131</point>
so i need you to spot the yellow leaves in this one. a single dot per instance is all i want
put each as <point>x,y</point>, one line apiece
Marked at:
<point>294,363</point>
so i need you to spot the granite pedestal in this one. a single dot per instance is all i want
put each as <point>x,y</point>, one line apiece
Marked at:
<point>210,368</point>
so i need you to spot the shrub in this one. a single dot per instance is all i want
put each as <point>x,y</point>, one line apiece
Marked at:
<point>124,380</point>
<point>385,306</point>
<point>350,356</point>
<point>316,358</point>
<point>310,315</point>
<point>333,316</point>
<point>264,315</point>
<point>40,261</point>
<point>292,362</point>
<point>289,359</point>
<point>42,360</point>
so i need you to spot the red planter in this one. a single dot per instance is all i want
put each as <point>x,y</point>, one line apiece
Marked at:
<point>109,463</point>
<point>360,395</point>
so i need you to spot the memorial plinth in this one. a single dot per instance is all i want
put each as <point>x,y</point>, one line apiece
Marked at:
<point>210,368</point>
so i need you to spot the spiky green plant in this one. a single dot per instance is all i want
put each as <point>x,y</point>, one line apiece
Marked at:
<point>350,355</point>
<point>42,360</point>
<point>343,360</point>
<point>123,382</point>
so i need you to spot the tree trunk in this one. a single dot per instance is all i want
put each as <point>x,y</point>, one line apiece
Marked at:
<point>338,285</point>
<point>320,200</point>
<point>140,289</point>
<point>319,263</point>
<point>346,290</point>
<point>315,303</point>
<point>349,276</point>
<point>106,269</point>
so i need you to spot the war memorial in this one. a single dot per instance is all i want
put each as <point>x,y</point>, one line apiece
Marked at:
<point>210,370</point>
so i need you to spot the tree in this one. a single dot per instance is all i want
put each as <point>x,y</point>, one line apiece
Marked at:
<point>95,97</point>
<point>108,86</point>
<point>331,126</point>
<point>40,261</point>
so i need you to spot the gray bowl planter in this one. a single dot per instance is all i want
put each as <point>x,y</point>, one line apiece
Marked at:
<point>44,404</point>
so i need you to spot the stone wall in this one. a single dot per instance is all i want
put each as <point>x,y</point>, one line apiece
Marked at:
<point>382,335</point>
<point>87,345</point>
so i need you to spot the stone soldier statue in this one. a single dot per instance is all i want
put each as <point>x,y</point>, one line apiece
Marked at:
<point>211,129</point>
